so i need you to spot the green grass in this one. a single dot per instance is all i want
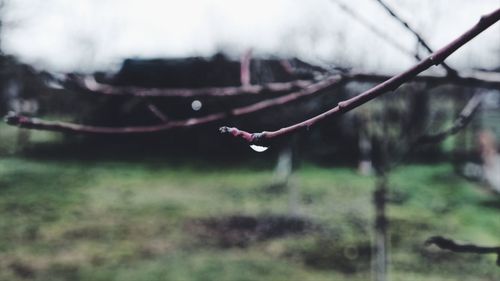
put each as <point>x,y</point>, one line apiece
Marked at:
<point>87,220</point>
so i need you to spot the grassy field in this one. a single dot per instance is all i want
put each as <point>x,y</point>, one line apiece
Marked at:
<point>105,220</point>
<point>70,217</point>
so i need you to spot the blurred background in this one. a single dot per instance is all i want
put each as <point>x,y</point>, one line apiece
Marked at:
<point>112,166</point>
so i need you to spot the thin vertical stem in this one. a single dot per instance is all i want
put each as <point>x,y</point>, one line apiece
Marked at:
<point>381,224</point>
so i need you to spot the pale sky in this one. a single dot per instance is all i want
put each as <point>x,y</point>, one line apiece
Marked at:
<point>89,35</point>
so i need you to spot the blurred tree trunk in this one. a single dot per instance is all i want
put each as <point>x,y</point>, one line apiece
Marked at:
<point>23,138</point>
<point>365,166</point>
<point>283,175</point>
<point>381,241</point>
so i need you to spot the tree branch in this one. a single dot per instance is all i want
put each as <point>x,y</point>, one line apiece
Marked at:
<point>461,122</point>
<point>420,39</point>
<point>88,83</point>
<point>475,80</point>
<point>389,85</point>
<point>448,244</point>
<point>157,112</point>
<point>375,30</point>
<point>26,122</point>
<point>39,124</point>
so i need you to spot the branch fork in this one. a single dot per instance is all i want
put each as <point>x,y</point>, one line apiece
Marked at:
<point>391,84</point>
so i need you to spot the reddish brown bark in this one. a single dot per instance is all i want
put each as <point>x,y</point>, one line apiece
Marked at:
<point>39,124</point>
<point>87,83</point>
<point>26,122</point>
<point>309,88</point>
<point>389,85</point>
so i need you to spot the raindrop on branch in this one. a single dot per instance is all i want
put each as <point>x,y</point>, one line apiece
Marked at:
<point>258,148</point>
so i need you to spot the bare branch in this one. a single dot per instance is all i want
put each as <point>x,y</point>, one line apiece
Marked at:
<point>389,85</point>
<point>420,39</point>
<point>88,83</point>
<point>66,127</point>
<point>39,124</point>
<point>461,122</point>
<point>376,30</point>
<point>448,244</point>
<point>157,112</point>
<point>475,80</point>
<point>25,122</point>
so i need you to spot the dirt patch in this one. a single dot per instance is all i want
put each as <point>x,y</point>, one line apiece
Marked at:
<point>240,230</point>
<point>347,259</point>
<point>331,254</point>
<point>22,270</point>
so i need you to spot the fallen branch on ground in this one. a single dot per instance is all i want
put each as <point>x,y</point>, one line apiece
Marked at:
<point>448,244</point>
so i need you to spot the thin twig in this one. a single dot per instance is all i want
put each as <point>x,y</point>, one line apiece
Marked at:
<point>88,83</point>
<point>22,121</point>
<point>419,37</point>
<point>375,30</point>
<point>39,124</point>
<point>157,112</point>
<point>475,80</point>
<point>461,122</point>
<point>464,118</point>
<point>448,244</point>
<point>389,85</point>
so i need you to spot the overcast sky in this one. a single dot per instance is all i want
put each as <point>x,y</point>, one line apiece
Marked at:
<point>88,35</point>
